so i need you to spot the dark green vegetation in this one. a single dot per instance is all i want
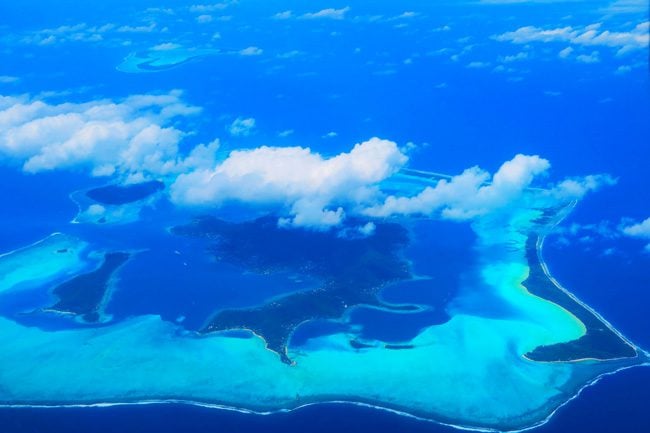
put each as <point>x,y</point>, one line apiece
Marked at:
<point>399,346</point>
<point>600,342</point>
<point>351,271</point>
<point>357,345</point>
<point>123,194</point>
<point>84,294</point>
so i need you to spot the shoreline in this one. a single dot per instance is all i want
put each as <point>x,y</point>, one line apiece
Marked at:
<point>539,244</point>
<point>33,244</point>
<point>221,406</point>
<point>642,356</point>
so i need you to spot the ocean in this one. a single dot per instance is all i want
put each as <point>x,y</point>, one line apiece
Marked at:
<point>438,91</point>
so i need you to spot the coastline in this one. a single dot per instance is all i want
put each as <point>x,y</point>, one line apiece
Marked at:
<point>384,408</point>
<point>554,407</point>
<point>539,244</point>
<point>33,244</point>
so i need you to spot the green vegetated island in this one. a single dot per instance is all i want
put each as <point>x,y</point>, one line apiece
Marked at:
<point>85,295</point>
<point>352,272</point>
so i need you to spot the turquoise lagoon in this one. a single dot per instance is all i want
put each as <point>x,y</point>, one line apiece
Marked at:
<point>157,59</point>
<point>471,371</point>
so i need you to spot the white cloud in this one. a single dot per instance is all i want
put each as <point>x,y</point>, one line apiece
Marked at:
<point>565,52</point>
<point>166,46</point>
<point>164,11</point>
<point>477,65</point>
<point>251,51</point>
<point>95,210</point>
<point>576,188</point>
<point>285,133</point>
<point>357,231</point>
<point>137,29</point>
<point>290,54</point>
<point>203,19</point>
<point>515,57</point>
<point>132,137</point>
<point>627,7</point>
<point>503,69</point>
<point>242,127</point>
<point>313,188</point>
<point>207,8</point>
<point>329,13</point>
<point>69,33</point>
<point>470,194</point>
<point>109,33</point>
<point>639,230</point>
<point>594,57</point>
<point>475,192</point>
<point>408,14</point>
<point>285,15</point>
<point>312,214</point>
<point>625,41</point>
<point>136,138</point>
<point>367,229</point>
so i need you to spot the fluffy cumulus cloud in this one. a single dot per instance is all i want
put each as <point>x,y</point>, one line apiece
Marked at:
<point>475,192</point>
<point>242,127</point>
<point>315,189</point>
<point>213,7</point>
<point>639,230</point>
<point>472,193</point>
<point>319,192</point>
<point>576,188</point>
<point>138,137</point>
<point>589,36</point>
<point>251,51</point>
<point>205,18</point>
<point>627,7</point>
<point>328,13</point>
<point>132,137</point>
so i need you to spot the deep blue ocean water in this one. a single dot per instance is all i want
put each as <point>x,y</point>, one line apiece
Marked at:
<point>583,118</point>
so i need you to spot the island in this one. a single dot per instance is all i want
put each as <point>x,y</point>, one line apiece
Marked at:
<point>156,59</point>
<point>601,341</point>
<point>124,194</point>
<point>352,272</point>
<point>85,294</point>
<point>502,353</point>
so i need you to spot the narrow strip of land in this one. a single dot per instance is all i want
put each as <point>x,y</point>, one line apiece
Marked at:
<point>600,342</point>
<point>84,295</point>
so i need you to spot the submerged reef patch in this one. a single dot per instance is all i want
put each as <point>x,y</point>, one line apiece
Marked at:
<point>156,60</point>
